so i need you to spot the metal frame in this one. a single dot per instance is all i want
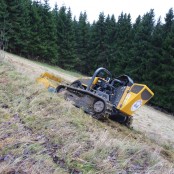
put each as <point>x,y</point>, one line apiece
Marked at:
<point>95,75</point>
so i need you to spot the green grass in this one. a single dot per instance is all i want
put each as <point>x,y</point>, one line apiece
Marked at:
<point>42,133</point>
<point>72,73</point>
<point>58,69</point>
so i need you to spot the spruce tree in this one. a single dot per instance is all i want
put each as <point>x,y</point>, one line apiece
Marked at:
<point>55,13</point>
<point>66,39</point>
<point>98,47</point>
<point>142,49</point>
<point>49,34</point>
<point>111,31</point>
<point>166,82</point>
<point>36,48</point>
<point>157,55</point>
<point>17,25</point>
<point>122,44</point>
<point>82,42</point>
<point>169,20</point>
<point>25,28</point>
<point>3,24</point>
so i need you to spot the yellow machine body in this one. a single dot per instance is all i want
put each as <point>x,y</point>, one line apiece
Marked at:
<point>102,97</point>
<point>133,98</point>
<point>49,80</point>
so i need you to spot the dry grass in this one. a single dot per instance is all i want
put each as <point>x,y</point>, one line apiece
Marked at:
<point>34,69</point>
<point>154,124</point>
<point>40,132</point>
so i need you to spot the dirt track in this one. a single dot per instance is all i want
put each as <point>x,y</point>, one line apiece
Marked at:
<point>154,124</point>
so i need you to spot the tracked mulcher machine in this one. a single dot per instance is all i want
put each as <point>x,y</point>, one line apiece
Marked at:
<point>105,97</point>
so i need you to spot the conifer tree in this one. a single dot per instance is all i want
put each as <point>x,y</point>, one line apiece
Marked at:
<point>66,39</point>
<point>25,28</point>
<point>98,50</point>
<point>154,63</point>
<point>142,46</point>
<point>3,24</point>
<point>17,25</point>
<point>82,42</point>
<point>122,43</point>
<point>169,21</point>
<point>36,47</point>
<point>49,34</point>
<point>111,30</point>
<point>166,82</point>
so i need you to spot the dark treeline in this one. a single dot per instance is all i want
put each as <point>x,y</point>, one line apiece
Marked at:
<point>143,49</point>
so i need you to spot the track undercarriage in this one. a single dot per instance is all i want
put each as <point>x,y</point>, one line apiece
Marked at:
<point>93,104</point>
<point>103,96</point>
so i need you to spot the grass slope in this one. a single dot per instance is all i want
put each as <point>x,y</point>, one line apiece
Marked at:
<point>40,132</point>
